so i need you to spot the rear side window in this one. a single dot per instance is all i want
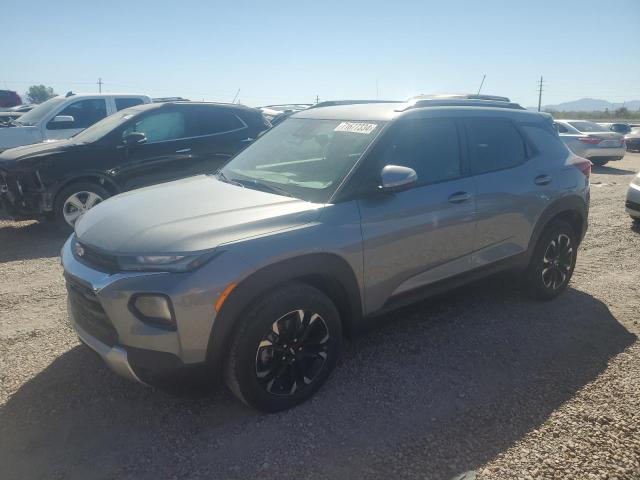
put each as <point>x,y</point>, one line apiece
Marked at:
<point>84,112</point>
<point>561,128</point>
<point>495,144</point>
<point>429,146</point>
<point>217,120</point>
<point>545,142</point>
<point>122,103</point>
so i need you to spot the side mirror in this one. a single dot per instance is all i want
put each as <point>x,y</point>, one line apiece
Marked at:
<point>396,178</point>
<point>63,119</point>
<point>134,138</point>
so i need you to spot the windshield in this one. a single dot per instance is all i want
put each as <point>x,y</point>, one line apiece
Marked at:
<point>588,127</point>
<point>302,158</point>
<point>39,112</point>
<point>101,128</point>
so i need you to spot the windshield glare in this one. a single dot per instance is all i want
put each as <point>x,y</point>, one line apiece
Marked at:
<point>38,113</point>
<point>305,158</point>
<point>103,127</point>
<point>588,127</point>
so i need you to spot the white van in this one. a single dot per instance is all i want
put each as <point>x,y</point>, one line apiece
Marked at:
<point>63,116</point>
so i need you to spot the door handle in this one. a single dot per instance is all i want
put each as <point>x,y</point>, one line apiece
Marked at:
<point>459,197</point>
<point>542,180</point>
<point>183,150</point>
<point>246,140</point>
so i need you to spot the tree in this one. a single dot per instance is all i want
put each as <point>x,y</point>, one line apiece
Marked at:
<point>622,112</point>
<point>40,93</point>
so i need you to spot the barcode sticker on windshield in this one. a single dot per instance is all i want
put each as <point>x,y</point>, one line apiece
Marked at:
<point>356,127</point>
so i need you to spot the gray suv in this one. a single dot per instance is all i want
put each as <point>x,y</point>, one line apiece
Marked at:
<point>254,274</point>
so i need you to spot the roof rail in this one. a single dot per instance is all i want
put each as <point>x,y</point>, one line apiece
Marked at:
<point>462,100</point>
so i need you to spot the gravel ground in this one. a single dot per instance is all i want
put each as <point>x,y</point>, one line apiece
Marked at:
<point>479,383</point>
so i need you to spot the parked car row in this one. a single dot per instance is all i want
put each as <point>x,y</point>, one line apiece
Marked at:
<point>139,146</point>
<point>591,140</point>
<point>334,216</point>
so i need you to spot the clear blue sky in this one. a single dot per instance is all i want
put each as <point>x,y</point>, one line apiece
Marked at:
<point>289,51</point>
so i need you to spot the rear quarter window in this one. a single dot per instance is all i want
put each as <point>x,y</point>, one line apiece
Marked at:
<point>545,142</point>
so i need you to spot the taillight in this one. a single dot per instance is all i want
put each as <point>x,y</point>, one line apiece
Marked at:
<point>583,165</point>
<point>591,140</point>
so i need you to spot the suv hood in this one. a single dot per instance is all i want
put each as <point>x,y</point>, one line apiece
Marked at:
<point>15,136</point>
<point>193,214</point>
<point>27,152</point>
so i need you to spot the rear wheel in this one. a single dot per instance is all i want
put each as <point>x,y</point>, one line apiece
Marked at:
<point>600,162</point>
<point>75,200</point>
<point>553,261</point>
<point>284,349</point>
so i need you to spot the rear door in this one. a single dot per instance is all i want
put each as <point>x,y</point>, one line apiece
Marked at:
<point>221,134</point>
<point>85,112</point>
<point>167,153</point>
<point>419,236</point>
<point>514,184</point>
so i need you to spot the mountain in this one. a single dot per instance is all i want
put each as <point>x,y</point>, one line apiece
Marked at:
<point>590,105</point>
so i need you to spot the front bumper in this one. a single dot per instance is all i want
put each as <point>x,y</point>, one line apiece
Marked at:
<point>99,310</point>
<point>632,203</point>
<point>20,198</point>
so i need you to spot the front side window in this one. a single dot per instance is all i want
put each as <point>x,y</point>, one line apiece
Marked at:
<point>84,112</point>
<point>160,127</point>
<point>561,128</point>
<point>495,144</point>
<point>429,146</point>
<point>126,102</point>
<point>215,120</point>
<point>303,158</point>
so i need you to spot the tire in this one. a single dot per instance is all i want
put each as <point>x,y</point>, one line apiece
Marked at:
<point>550,269</point>
<point>600,163</point>
<point>92,192</point>
<point>266,331</point>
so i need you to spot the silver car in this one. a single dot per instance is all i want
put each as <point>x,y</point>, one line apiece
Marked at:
<point>632,203</point>
<point>254,274</point>
<point>591,140</point>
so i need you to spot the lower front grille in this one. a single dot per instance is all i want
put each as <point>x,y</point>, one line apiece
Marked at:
<point>88,312</point>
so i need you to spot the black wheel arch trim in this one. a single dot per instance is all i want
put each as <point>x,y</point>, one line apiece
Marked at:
<point>92,177</point>
<point>569,205</point>
<point>306,269</point>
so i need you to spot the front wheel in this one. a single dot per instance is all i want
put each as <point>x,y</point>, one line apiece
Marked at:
<point>75,200</point>
<point>553,261</point>
<point>284,348</point>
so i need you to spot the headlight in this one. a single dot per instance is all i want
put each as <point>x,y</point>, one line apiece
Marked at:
<point>164,263</point>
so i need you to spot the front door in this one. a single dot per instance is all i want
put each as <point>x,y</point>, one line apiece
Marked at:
<point>414,238</point>
<point>167,153</point>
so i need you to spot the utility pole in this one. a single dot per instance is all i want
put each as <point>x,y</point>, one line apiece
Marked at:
<point>482,83</point>
<point>540,95</point>
<point>100,85</point>
<point>317,98</point>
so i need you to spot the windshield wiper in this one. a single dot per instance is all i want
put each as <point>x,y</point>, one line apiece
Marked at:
<point>265,187</point>
<point>223,178</point>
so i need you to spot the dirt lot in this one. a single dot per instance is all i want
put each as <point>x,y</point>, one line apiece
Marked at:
<point>481,381</point>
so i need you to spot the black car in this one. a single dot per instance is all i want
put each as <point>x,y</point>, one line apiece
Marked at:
<point>135,147</point>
